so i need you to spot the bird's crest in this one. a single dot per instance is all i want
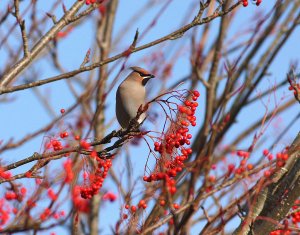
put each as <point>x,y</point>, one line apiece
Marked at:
<point>140,70</point>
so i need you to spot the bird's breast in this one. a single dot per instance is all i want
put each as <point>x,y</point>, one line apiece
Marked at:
<point>132,97</point>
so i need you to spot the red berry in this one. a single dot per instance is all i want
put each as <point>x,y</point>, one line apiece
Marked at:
<point>133,209</point>
<point>266,152</point>
<point>280,163</point>
<point>285,156</point>
<point>267,173</point>
<point>231,167</point>
<point>142,203</point>
<point>23,191</point>
<point>187,103</point>
<point>249,167</point>
<point>270,157</point>
<point>173,190</point>
<point>196,93</point>
<point>162,202</point>
<point>84,144</point>
<point>211,178</point>
<point>278,156</point>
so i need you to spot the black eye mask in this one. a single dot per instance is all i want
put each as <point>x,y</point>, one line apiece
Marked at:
<point>146,78</point>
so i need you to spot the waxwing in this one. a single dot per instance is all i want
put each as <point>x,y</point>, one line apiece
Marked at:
<point>131,94</point>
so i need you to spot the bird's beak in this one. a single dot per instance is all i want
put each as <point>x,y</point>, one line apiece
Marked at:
<point>146,79</point>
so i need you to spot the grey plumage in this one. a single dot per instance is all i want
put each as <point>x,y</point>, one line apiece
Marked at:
<point>131,94</point>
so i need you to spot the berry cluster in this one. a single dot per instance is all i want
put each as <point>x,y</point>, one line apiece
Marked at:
<point>97,179</point>
<point>52,195</point>
<point>245,2</point>
<point>242,168</point>
<point>85,145</point>
<point>54,144</point>
<point>11,196</point>
<point>295,216</point>
<point>45,215</point>
<point>281,232</point>
<point>16,194</point>
<point>80,204</point>
<point>4,174</point>
<point>132,209</point>
<point>162,203</point>
<point>281,159</point>
<point>4,212</point>
<point>171,147</point>
<point>64,134</point>
<point>284,231</point>
<point>58,215</point>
